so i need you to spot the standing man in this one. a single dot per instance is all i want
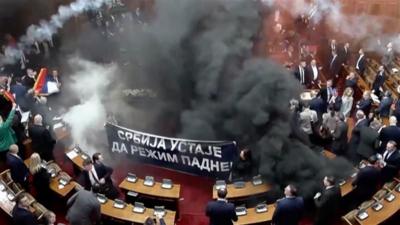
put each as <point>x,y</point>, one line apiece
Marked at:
<point>19,171</point>
<point>379,81</point>
<point>327,202</point>
<point>84,208</point>
<point>390,162</point>
<point>313,73</point>
<point>300,73</point>
<point>42,142</point>
<point>388,57</point>
<point>289,210</point>
<point>391,132</point>
<point>221,212</point>
<point>21,214</point>
<point>361,62</point>
<point>104,175</point>
<point>334,66</point>
<point>339,143</point>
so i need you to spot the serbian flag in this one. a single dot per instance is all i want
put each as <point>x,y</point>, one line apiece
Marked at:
<point>40,81</point>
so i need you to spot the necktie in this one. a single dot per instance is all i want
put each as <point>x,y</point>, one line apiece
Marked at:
<point>302,75</point>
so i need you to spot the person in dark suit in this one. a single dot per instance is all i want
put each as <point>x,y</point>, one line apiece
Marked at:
<point>351,81</point>
<point>41,180</point>
<point>313,73</point>
<point>327,202</point>
<point>367,181</point>
<point>388,58</point>
<point>21,215</point>
<point>42,142</point>
<point>391,162</point>
<point>334,66</point>
<point>362,121</point>
<point>339,143</point>
<point>379,81</point>
<point>104,175</point>
<point>84,208</point>
<point>317,104</point>
<point>361,62</point>
<point>391,132</point>
<point>300,73</point>
<point>289,210</point>
<point>369,141</point>
<point>220,211</point>
<point>345,54</point>
<point>88,177</point>
<point>365,103</point>
<point>19,171</point>
<point>385,105</point>
<point>242,167</point>
<point>327,93</point>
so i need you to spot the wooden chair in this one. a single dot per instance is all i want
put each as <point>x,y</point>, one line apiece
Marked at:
<point>365,205</point>
<point>16,189</point>
<point>5,176</point>
<point>30,198</point>
<point>390,185</point>
<point>380,194</point>
<point>350,217</point>
<point>39,210</point>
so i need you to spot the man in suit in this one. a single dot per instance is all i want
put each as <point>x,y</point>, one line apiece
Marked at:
<point>88,176</point>
<point>339,143</point>
<point>367,181</point>
<point>362,121</point>
<point>388,57</point>
<point>327,202</point>
<point>385,104</point>
<point>361,62</point>
<point>379,81</point>
<point>84,208</point>
<point>334,66</point>
<point>300,73</point>
<point>345,54</point>
<point>21,214</point>
<point>220,211</point>
<point>19,171</point>
<point>289,210</point>
<point>368,140</point>
<point>365,103</point>
<point>42,142</point>
<point>390,162</point>
<point>104,175</point>
<point>391,132</point>
<point>317,104</point>
<point>327,93</point>
<point>313,73</point>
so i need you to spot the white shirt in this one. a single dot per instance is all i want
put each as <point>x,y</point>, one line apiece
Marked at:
<point>315,72</point>
<point>301,71</point>
<point>358,61</point>
<point>94,179</point>
<point>387,154</point>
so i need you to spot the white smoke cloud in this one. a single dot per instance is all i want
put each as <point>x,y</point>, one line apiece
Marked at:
<point>46,29</point>
<point>89,84</point>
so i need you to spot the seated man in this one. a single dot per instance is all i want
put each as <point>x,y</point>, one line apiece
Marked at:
<point>21,214</point>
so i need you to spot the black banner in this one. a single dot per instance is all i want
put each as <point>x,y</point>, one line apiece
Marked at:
<point>204,158</point>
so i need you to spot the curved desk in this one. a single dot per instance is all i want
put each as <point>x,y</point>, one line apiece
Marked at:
<point>248,190</point>
<point>155,191</point>
<point>252,217</point>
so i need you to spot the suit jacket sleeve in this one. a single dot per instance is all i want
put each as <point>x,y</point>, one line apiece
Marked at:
<point>276,214</point>
<point>234,216</point>
<point>71,200</point>
<point>321,201</point>
<point>10,118</point>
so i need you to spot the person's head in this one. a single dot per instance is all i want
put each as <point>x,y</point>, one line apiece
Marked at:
<point>30,72</point>
<point>389,45</point>
<point>50,217</point>
<point>87,164</point>
<point>347,45</point>
<point>391,146</point>
<point>313,62</point>
<point>392,121</point>
<point>333,42</point>
<point>329,83</point>
<point>13,149</point>
<point>375,125</point>
<point>360,115</point>
<point>54,73</point>
<point>96,188</point>
<point>22,200</point>
<point>290,190</point>
<point>373,160</point>
<point>348,92</point>
<point>366,95</point>
<point>361,51</point>
<point>245,154</point>
<point>329,181</point>
<point>35,163</point>
<point>222,192</point>
<point>381,68</point>
<point>38,119</point>
<point>303,63</point>
<point>97,157</point>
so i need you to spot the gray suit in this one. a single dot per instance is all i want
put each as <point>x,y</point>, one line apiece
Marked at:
<point>368,142</point>
<point>84,208</point>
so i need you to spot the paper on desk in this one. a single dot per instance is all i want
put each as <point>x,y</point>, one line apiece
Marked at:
<point>72,154</point>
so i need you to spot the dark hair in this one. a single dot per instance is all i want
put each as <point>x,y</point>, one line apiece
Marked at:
<point>293,189</point>
<point>19,197</point>
<point>96,188</point>
<point>372,159</point>
<point>331,180</point>
<point>87,162</point>
<point>149,221</point>
<point>246,153</point>
<point>96,156</point>
<point>222,193</point>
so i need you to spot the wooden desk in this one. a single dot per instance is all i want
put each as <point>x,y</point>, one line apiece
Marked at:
<point>328,154</point>
<point>252,217</point>
<point>247,191</point>
<point>389,208</point>
<point>346,188</point>
<point>77,160</point>
<point>156,190</point>
<point>127,214</point>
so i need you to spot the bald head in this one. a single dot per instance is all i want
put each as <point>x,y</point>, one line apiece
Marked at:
<point>13,149</point>
<point>38,119</point>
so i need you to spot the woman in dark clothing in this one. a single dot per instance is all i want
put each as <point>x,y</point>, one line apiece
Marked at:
<point>41,180</point>
<point>243,167</point>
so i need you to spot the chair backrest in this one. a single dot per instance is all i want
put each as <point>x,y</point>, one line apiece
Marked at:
<point>390,185</point>
<point>6,176</point>
<point>380,194</point>
<point>365,205</point>
<point>39,210</point>
<point>16,188</point>
<point>30,198</point>
<point>350,217</point>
